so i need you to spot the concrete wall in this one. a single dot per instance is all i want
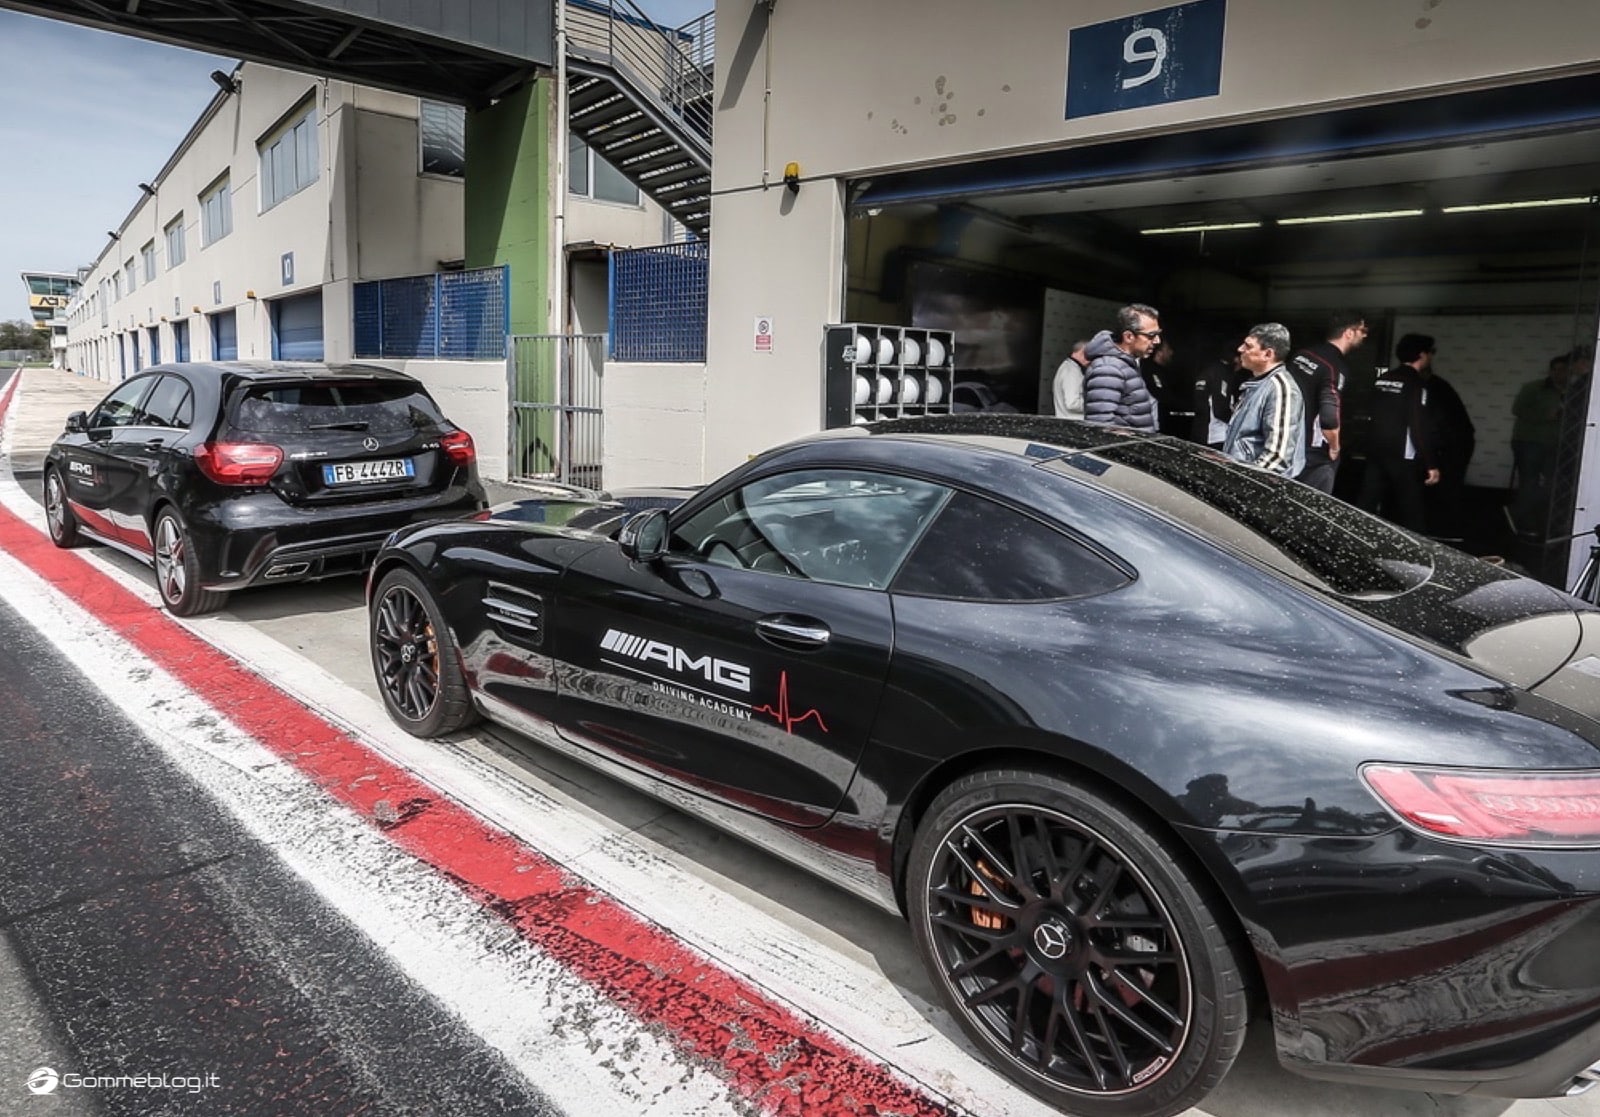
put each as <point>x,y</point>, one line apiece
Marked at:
<point>655,424</point>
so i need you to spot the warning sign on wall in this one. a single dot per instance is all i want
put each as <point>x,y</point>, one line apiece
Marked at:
<point>763,334</point>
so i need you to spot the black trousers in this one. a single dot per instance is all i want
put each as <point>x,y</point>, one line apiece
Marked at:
<point>1392,487</point>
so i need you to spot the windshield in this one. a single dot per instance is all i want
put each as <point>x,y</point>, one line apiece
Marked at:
<point>1289,526</point>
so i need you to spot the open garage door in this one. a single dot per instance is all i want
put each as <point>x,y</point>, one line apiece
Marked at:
<point>1486,240</point>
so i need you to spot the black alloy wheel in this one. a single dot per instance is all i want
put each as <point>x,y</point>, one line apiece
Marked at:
<point>1072,947</point>
<point>178,570</point>
<point>417,663</point>
<point>57,513</point>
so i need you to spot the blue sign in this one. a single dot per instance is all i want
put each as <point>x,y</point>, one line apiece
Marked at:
<point>286,266</point>
<point>1172,54</point>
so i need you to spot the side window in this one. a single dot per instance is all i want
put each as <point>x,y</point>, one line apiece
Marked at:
<point>170,404</point>
<point>120,408</point>
<point>846,527</point>
<point>978,550</point>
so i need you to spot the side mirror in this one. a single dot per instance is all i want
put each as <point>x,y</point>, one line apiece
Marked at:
<point>77,422</point>
<point>643,537</point>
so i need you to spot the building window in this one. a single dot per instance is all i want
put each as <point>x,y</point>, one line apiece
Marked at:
<point>116,285</point>
<point>590,176</point>
<point>289,160</point>
<point>148,255</point>
<point>175,249</point>
<point>444,139</point>
<point>216,213</point>
<point>129,276</point>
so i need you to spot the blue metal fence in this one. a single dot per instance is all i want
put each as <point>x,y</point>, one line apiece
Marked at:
<point>462,315</point>
<point>658,303</point>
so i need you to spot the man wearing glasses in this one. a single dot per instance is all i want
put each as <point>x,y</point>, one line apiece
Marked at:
<point>1113,390</point>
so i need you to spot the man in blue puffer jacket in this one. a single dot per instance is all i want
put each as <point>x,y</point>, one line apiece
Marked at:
<point>1113,390</point>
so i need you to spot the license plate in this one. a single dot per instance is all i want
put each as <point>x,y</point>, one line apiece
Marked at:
<point>356,473</point>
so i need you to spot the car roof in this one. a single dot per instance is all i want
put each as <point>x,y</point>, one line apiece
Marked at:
<point>285,370</point>
<point>1030,436</point>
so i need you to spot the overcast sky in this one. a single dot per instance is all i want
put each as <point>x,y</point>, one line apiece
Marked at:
<point>85,116</point>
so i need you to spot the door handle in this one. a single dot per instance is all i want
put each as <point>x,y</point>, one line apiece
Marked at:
<point>799,633</point>
<point>154,443</point>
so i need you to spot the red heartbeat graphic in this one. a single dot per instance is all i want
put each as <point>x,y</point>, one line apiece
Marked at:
<point>781,714</point>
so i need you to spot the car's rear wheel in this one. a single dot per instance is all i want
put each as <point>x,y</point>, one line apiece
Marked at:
<point>1072,947</point>
<point>178,570</point>
<point>57,512</point>
<point>415,659</point>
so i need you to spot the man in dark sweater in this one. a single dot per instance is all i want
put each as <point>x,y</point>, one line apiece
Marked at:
<point>1319,372</point>
<point>1113,390</point>
<point>1400,460</point>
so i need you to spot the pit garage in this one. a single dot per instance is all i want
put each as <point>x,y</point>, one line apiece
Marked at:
<point>1471,218</point>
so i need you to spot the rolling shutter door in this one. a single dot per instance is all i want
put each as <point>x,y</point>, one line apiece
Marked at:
<point>297,328</point>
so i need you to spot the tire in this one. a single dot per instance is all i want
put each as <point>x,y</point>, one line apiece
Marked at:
<point>57,512</point>
<point>1072,947</point>
<point>415,659</point>
<point>178,570</point>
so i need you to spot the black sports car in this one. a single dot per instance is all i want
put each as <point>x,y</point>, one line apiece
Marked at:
<point>229,475</point>
<point>1137,738</point>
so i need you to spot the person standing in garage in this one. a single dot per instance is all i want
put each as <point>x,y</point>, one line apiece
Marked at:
<point>1268,425</point>
<point>1400,460</point>
<point>1113,391</point>
<point>1067,389</point>
<point>1535,430</point>
<point>1174,406</point>
<point>1453,438</point>
<point>1319,372</point>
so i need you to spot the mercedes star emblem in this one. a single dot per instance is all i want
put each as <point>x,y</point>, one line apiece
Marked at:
<point>369,443</point>
<point>1051,938</point>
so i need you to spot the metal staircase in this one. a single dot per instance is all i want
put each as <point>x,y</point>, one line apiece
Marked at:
<point>639,94</point>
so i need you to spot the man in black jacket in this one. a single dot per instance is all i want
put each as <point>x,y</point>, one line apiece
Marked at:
<point>1113,390</point>
<point>1453,439</point>
<point>1319,372</point>
<point>1400,460</point>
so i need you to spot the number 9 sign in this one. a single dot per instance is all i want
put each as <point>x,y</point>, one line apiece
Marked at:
<point>1145,45</point>
<point>1153,58</point>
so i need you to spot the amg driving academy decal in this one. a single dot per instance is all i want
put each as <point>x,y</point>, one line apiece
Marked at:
<point>721,672</point>
<point>735,676</point>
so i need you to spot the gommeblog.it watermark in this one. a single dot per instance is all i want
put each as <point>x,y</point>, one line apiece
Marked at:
<point>45,1080</point>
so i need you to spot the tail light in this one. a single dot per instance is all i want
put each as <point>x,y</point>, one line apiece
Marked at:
<point>239,463</point>
<point>1510,808</point>
<point>458,447</point>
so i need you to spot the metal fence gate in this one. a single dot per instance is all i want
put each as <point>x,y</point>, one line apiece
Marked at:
<point>556,419</point>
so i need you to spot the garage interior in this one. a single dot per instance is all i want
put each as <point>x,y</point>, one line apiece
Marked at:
<point>1488,242</point>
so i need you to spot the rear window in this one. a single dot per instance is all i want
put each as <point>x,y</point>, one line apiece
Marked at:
<point>378,407</point>
<point>1289,526</point>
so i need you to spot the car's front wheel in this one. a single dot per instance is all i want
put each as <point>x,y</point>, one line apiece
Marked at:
<point>1072,947</point>
<point>57,512</point>
<point>415,659</point>
<point>178,570</point>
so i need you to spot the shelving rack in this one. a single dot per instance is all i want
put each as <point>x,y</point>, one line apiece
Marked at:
<point>885,372</point>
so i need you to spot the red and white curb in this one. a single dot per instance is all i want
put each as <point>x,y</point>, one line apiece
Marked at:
<point>609,974</point>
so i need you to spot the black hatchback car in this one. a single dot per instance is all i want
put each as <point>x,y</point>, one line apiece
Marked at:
<point>229,475</point>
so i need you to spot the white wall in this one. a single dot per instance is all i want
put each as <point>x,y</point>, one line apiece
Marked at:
<point>655,424</point>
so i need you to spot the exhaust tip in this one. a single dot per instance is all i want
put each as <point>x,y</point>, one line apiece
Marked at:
<point>287,570</point>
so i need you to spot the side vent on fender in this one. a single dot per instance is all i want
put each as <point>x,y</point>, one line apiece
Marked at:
<point>517,614</point>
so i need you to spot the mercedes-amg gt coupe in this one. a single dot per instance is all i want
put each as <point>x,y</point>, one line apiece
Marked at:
<point>1140,741</point>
